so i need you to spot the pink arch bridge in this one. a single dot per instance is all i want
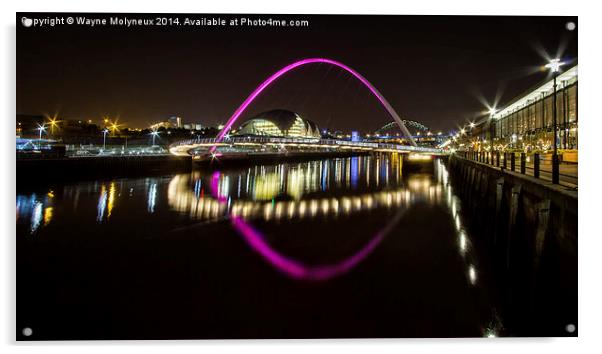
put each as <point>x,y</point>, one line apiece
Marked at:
<point>383,101</point>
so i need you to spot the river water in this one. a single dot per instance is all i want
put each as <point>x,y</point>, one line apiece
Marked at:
<point>347,247</point>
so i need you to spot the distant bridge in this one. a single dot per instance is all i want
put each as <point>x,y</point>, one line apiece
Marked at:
<point>406,122</point>
<point>257,145</point>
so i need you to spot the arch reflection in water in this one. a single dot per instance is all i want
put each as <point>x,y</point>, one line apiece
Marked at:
<point>297,191</point>
<point>290,266</point>
<point>265,182</point>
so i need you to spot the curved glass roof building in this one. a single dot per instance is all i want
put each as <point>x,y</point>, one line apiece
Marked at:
<point>279,123</point>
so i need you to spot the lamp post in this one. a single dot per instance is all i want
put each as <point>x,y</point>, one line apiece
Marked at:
<point>41,128</point>
<point>492,113</point>
<point>53,123</point>
<point>554,66</point>
<point>154,134</point>
<point>104,139</point>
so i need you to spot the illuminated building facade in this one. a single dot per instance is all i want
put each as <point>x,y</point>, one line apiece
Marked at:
<point>175,121</point>
<point>279,123</point>
<point>527,122</point>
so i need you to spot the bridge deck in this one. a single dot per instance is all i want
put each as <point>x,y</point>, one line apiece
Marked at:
<point>229,145</point>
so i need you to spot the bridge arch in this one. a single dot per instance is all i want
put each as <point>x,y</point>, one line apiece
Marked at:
<point>383,101</point>
<point>406,122</point>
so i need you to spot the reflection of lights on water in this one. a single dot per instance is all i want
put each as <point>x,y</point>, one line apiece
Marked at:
<point>180,198</point>
<point>419,185</point>
<point>368,201</point>
<point>472,275</point>
<point>325,206</point>
<point>224,187</point>
<point>111,200</point>
<point>462,242</point>
<point>36,216</point>
<point>47,215</point>
<point>197,187</point>
<point>313,207</point>
<point>152,197</point>
<point>102,204</point>
<point>355,171</point>
<point>334,206</point>
<point>357,202</point>
<point>324,173</point>
<point>346,205</point>
<point>300,179</point>
<point>267,211</point>
<point>266,186</point>
<point>302,208</point>
<point>419,157</point>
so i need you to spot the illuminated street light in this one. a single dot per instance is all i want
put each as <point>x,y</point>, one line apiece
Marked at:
<point>472,125</point>
<point>492,112</point>
<point>41,128</point>
<point>554,66</point>
<point>104,138</point>
<point>154,134</point>
<point>53,123</point>
<point>463,131</point>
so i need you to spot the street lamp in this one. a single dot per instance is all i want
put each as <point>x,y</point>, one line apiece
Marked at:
<point>41,128</point>
<point>53,124</point>
<point>554,66</point>
<point>154,134</point>
<point>104,139</point>
<point>492,112</point>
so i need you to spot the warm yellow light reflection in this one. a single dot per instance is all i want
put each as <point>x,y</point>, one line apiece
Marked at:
<point>47,215</point>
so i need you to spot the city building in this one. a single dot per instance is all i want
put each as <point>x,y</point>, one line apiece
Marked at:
<point>165,124</point>
<point>192,126</point>
<point>172,122</point>
<point>176,122</point>
<point>279,123</point>
<point>526,123</point>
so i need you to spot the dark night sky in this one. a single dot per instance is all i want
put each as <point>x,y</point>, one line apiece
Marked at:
<point>431,68</point>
